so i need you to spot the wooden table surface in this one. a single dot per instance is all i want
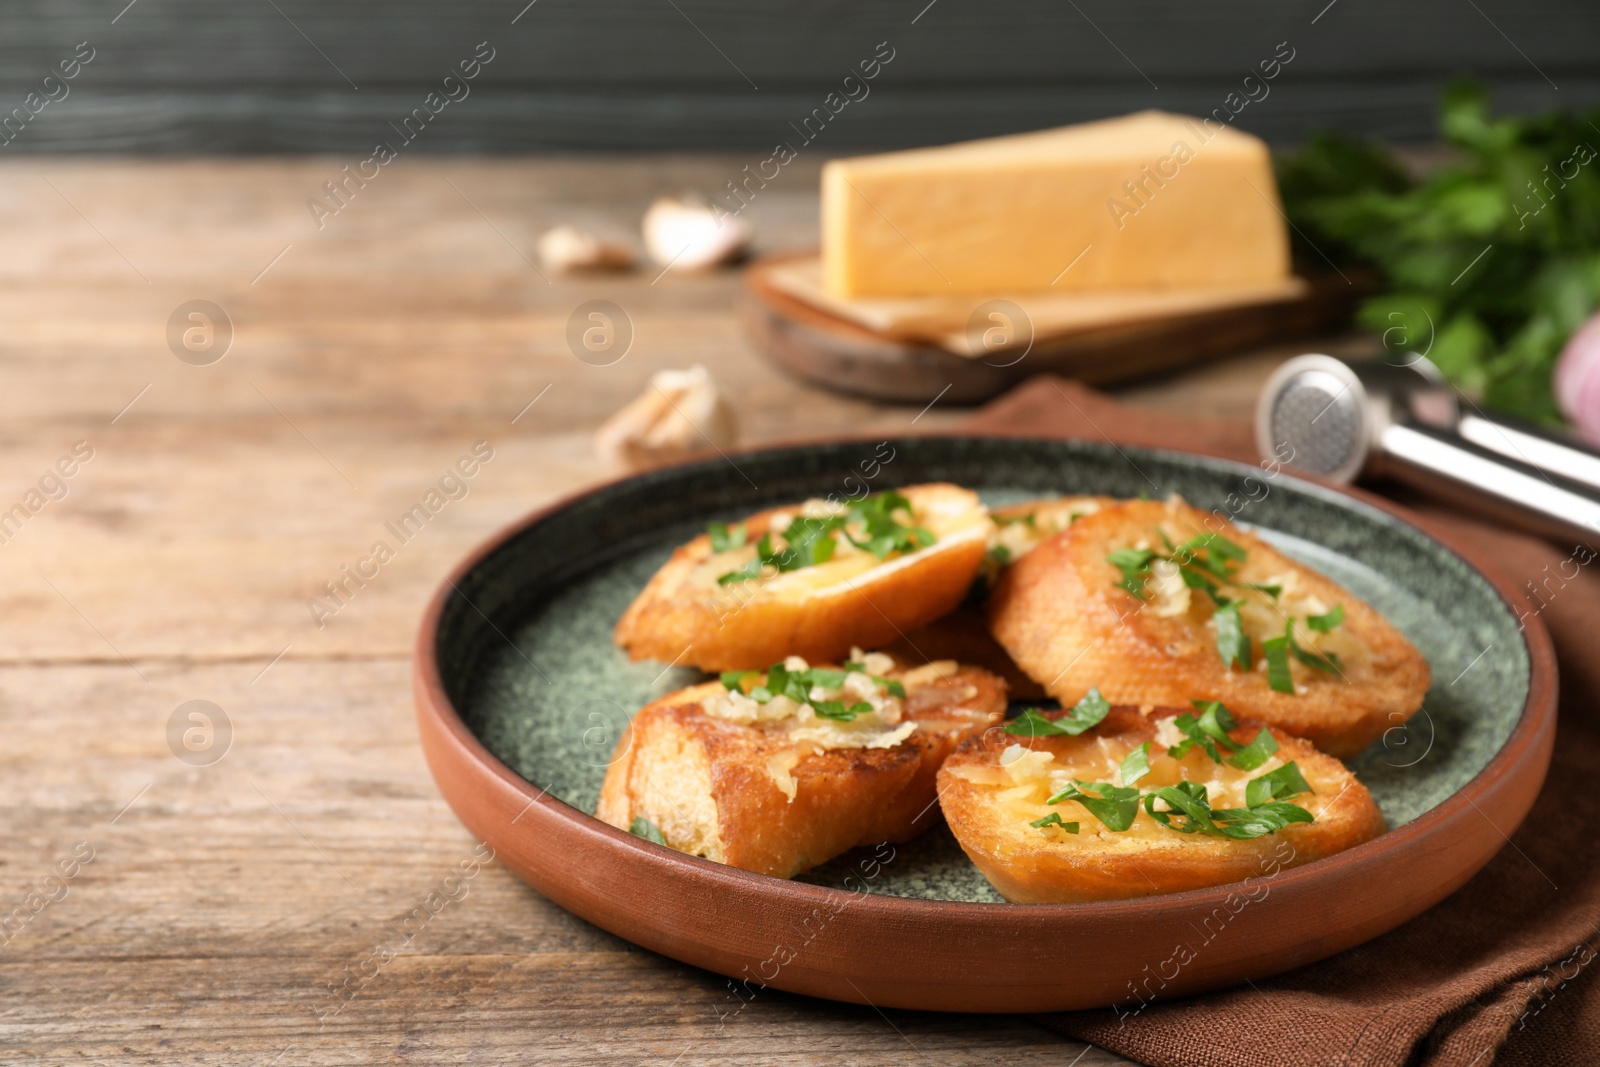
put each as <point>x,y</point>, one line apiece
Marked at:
<point>214,904</point>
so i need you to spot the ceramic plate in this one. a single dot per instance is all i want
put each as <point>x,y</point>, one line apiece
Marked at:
<point>522,697</point>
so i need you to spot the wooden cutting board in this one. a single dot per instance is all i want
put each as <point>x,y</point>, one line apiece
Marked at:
<point>848,356</point>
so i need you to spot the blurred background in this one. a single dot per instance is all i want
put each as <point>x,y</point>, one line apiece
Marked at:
<point>182,76</point>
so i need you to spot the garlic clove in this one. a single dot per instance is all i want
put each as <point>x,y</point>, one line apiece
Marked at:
<point>567,248</point>
<point>681,414</point>
<point>688,234</point>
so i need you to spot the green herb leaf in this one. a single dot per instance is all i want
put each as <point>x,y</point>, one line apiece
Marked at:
<point>735,679</point>
<point>885,534</point>
<point>1322,661</point>
<point>724,538</point>
<point>1134,563</point>
<point>642,827</point>
<point>1215,721</point>
<point>998,555</point>
<point>890,686</point>
<point>1256,752</point>
<point>1115,806</point>
<point>1209,732</point>
<point>1233,644</point>
<point>1186,802</point>
<point>1323,623</point>
<point>797,686</point>
<point>1276,652</point>
<point>1054,819</point>
<point>1246,823</point>
<point>810,542</point>
<point>1031,723</point>
<point>1136,764</point>
<point>1279,784</point>
<point>1084,715</point>
<point>1272,591</point>
<point>749,571</point>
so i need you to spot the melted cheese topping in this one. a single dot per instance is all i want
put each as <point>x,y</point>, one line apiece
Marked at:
<point>1019,537</point>
<point>949,516</point>
<point>1024,778</point>
<point>885,726</point>
<point>1261,616</point>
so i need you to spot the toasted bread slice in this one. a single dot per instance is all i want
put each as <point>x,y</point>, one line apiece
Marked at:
<point>1075,613</point>
<point>774,788</point>
<point>994,791</point>
<point>963,634</point>
<point>1020,528</point>
<point>693,614</point>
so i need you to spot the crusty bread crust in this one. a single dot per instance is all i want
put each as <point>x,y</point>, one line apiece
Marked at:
<point>683,616</point>
<point>1061,615</point>
<point>705,782</point>
<point>1030,866</point>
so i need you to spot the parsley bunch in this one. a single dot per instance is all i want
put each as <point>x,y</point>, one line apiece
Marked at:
<point>809,541</point>
<point>797,686</point>
<point>1488,265</point>
<point>1188,808</point>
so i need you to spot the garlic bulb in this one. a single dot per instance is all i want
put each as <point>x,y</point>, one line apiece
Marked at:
<point>1577,380</point>
<point>688,234</point>
<point>567,248</point>
<point>679,415</point>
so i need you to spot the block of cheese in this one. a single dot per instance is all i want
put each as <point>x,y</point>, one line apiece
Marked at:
<point>1147,201</point>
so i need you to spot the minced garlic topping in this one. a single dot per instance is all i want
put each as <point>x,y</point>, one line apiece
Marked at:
<point>1025,778</point>
<point>884,726</point>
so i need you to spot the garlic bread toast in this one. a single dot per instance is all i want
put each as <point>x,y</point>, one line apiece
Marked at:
<point>1158,603</point>
<point>1137,804</point>
<point>811,580</point>
<point>778,771</point>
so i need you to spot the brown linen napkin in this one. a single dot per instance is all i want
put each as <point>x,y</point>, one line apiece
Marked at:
<point>1498,972</point>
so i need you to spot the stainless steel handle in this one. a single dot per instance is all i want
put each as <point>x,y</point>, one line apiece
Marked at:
<point>1441,462</point>
<point>1533,445</point>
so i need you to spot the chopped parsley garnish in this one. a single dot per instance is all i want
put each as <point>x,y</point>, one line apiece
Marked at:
<point>1134,563</point>
<point>642,827</point>
<point>1322,661</point>
<point>797,686</point>
<point>1084,715</point>
<point>1188,808</point>
<point>1029,519</point>
<point>1208,732</point>
<point>1276,652</point>
<point>885,534</point>
<point>809,541</point>
<point>1323,623</point>
<point>1203,562</point>
<point>1114,805</point>
<point>1285,782</point>
<point>726,538</point>
<point>1255,753</point>
<point>1136,764</point>
<point>998,555</point>
<point>1232,642</point>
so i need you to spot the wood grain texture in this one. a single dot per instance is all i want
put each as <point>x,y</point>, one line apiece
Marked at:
<point>222,902</point>
<point>184,76</point>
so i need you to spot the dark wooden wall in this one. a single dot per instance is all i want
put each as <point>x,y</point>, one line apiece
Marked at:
<point>243,76</point>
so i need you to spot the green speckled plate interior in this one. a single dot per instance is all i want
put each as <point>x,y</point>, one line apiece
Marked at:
<point>526,655</point>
